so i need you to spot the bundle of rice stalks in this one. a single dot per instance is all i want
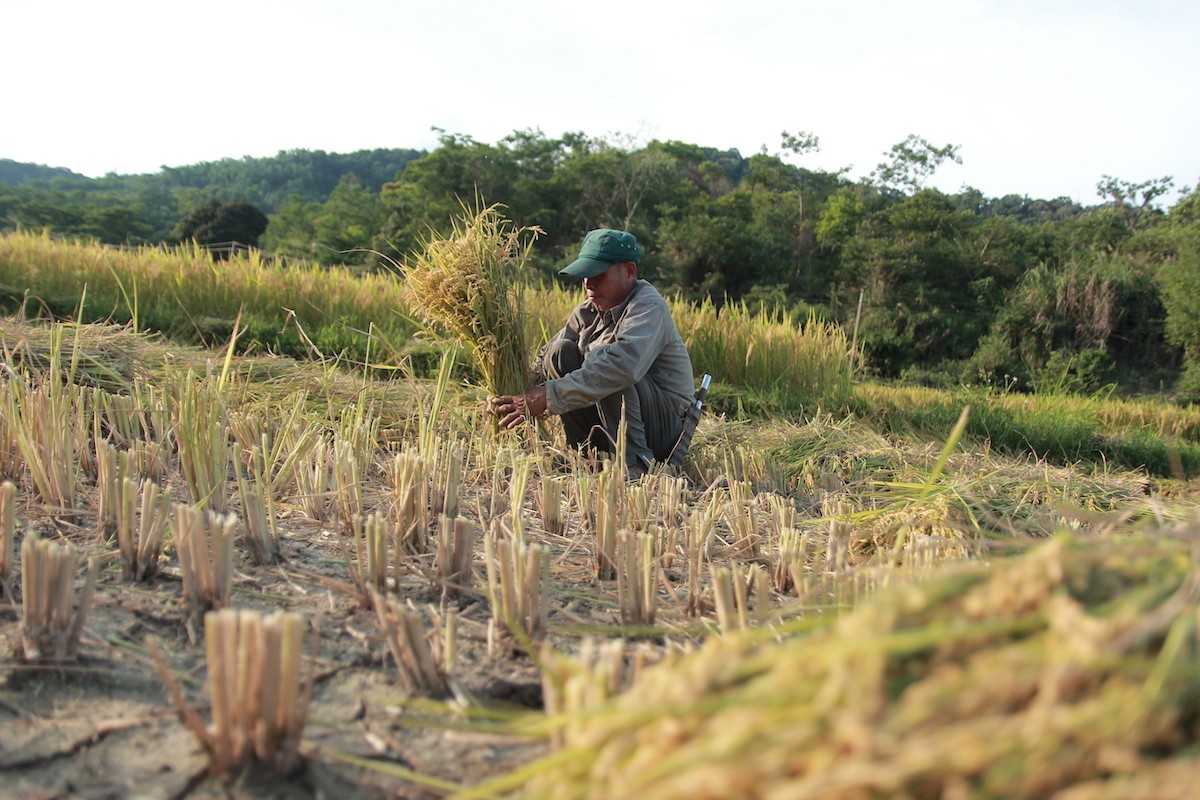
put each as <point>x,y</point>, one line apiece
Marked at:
<point>1070,666</point>
<point>466,286</point>
<point>259,693</point>
<point>50,628</point>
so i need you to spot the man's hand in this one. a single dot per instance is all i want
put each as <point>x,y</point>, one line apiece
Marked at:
<point>516,409</point>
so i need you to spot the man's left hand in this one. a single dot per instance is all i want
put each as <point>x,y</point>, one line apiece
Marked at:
<point>516,409</point>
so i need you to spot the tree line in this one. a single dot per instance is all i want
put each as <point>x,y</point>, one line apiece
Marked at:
<point>942,289</point>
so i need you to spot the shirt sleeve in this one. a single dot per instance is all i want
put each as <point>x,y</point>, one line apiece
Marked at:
<point>640,336</point>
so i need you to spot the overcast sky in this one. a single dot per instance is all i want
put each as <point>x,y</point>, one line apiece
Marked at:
<point>1042,98</point>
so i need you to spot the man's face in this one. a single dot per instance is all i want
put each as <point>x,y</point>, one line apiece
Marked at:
<point>609,288</point>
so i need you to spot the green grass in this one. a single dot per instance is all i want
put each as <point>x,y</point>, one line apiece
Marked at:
<point>1162,439</point>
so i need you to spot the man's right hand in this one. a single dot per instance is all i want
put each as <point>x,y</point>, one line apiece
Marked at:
<point>516,409</point>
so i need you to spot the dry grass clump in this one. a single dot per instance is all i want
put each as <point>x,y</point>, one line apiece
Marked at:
<point>1070,666</point>
<point>467,286</point>
<point>50,627</point>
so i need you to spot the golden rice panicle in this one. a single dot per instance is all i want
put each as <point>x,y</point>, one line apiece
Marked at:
<point>466,287</point>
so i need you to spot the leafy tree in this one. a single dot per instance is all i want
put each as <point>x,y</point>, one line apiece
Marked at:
<point>220,223</point>
<point>1180,278</point>
<point>433,188</point>
<point>1066,325</point>
<point>290,230</point>
<point>348,222</point>
<point>926,297</point>
<point>1135,201</point>
<point>725,247</point>
<point>912,162</point>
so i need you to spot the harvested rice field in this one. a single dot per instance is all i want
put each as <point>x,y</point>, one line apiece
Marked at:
<point>253,577</point>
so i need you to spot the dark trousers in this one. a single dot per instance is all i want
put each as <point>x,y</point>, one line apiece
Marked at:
<point>652,420</point>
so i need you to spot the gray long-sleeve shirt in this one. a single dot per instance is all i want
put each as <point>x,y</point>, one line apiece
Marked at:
<point>620,347</point>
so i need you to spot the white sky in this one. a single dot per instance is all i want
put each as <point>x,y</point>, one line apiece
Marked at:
<point>1043,97</point>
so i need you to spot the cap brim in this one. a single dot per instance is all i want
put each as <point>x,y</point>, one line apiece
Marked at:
<point>586,267</point>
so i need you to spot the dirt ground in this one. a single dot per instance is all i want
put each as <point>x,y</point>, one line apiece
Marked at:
<point>104,727</point>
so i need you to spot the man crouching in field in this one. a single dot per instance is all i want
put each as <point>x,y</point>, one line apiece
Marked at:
<point>619,350</point>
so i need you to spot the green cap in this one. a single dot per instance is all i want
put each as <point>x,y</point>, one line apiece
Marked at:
<point>601,249</point>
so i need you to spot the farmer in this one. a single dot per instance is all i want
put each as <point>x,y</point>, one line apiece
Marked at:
<point>619,351</point>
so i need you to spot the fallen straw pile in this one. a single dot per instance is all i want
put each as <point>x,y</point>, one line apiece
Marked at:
<point>1070,669</point>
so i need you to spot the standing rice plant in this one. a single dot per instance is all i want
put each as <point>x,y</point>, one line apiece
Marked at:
<point>375,545</point>
<point>140,536</point>
<point>637,573</point>
<point>348,480</point>
<point>257,686</point>
<point>258,508</point>
<point>453,556</point>
<point>8,529</point>
<point>42,415</point>
<point>446,475</point>
<point>790,573</point>
<point>314,481</point>
<point>518,578</point>
<point>743,348</point>
<point>50,627</point>
<point>423,666</point>
<point>608,502</point>
<point>204,545</point>
<point>410,490</point>
<point>467,286</point>
<point>699,535</point>
<point>202,437</point>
